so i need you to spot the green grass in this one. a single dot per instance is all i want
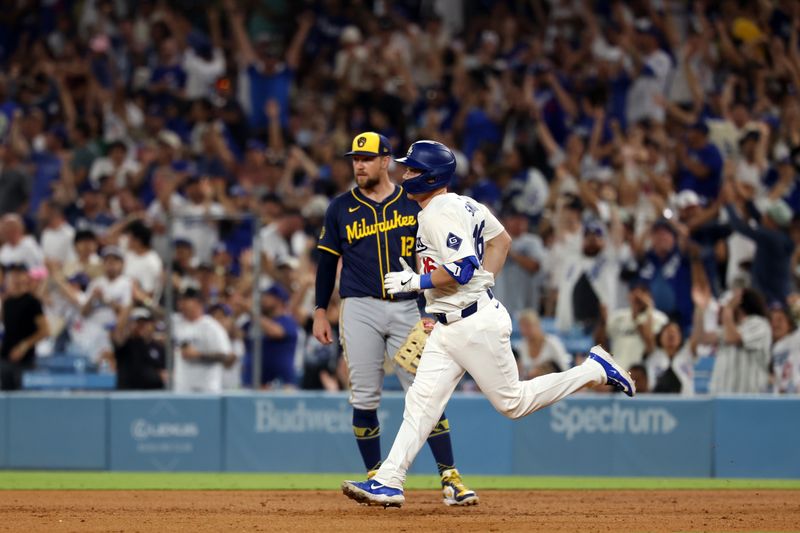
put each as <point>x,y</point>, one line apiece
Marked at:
<point>38,480</point>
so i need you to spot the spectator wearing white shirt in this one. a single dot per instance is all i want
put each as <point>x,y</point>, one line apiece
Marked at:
<point>85,258</point>
<point>631,331</point>
<point>109,299</point>
<point>142,264</point>
<point>203,347</point>
<point>538,353</point>
<point>279,240</point>
<point>745,337</point>
<point>116,164</point>
<point>670,367</point>
<point>203,60</point>
<point>785,364</point>
<point>232,366</point>
<point>184,264</point>
<point>58,235</point>
<point>18,247</point>
<point>589,282</point>
<point>566,242</point>
<point>652,67</point>
<point>195,217</point>
<point>166,201</point>
<point>520,286</point>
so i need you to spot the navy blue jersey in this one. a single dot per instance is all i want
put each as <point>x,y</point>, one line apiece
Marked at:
<point>370,237</point>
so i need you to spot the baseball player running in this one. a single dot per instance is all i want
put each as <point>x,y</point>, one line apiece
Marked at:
<point>462,247</point>
<point>371,227</point>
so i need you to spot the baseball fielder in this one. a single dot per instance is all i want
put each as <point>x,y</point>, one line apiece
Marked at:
<point>462,247</point>
<point>370,227</point>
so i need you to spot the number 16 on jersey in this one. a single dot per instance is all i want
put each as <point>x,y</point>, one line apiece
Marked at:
<point>477,236</point>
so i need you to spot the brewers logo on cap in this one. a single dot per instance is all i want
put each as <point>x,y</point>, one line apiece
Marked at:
<point>370,144</point>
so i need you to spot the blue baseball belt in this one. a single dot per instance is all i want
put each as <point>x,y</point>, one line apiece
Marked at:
<point>471,309</point>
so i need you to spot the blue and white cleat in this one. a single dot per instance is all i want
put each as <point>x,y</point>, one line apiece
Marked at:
<point>372,492</point>
<point>616,376</point>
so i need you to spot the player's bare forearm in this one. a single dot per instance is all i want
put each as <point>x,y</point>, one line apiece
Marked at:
<point>496,253</point>
<point>440,278</point>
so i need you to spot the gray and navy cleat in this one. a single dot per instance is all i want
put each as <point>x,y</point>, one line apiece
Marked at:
<point>454,490</point>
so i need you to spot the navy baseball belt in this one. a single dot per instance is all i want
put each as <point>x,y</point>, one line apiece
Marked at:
<point>471,309</point>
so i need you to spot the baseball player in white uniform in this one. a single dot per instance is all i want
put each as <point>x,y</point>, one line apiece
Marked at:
<point>461,247</point>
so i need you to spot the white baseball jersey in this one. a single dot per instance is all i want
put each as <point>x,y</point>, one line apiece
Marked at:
<point>745,368</point>
<point>207,336</point>
<point>786,363</point>
<point>453,227</point>
<point>117,291</point>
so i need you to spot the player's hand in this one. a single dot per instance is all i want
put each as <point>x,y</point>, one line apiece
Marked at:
<point>322,327</point>
<point>405,281</point>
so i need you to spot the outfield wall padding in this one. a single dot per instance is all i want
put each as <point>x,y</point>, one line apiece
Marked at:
<point>165,433</point>
<point>588,435</point>
<point>59,432</point>
<point>3,432</point>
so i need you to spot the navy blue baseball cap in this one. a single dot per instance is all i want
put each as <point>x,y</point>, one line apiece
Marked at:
<point>237,191</point>
<point>255,144</point>
<point>277,291</point>
<point>700,126</point>
<point>81,278</point>
<point>663,223</point>
<point>370,144</point>
<point>225,308</point>
<point>594,227</point>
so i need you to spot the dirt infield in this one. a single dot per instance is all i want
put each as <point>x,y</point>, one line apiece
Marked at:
<point>196,511</point>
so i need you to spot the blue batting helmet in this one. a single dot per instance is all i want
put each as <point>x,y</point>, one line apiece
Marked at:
<point>435,160</point>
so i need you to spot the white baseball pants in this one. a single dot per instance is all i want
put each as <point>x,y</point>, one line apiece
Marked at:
<point>481,345</point>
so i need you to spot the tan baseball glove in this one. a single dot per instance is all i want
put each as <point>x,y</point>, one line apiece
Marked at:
<point>410,351</point>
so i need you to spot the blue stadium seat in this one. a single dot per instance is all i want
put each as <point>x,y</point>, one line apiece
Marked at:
<point>65,364</point>
<point>548,324</point>
<point>577,343</point>
<point>702,374</point>
<point>46,381</point>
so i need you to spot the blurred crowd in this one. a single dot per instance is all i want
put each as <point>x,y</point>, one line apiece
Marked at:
<point>643,155</point>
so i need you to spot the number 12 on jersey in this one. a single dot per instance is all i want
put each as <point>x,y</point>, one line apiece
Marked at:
<point>477,236</point>
<point>407,245</point>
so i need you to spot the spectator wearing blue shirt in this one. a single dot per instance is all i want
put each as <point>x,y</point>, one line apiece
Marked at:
<point>666,269</point>
<point>168,76</point>
<point>782,181</point>
<point>14,181</point>
<point>771,270</point>
<point>555,105</point>
<point>700,164</point>
<point>237,234</point>
<point>279,340</point>
<point>479,122</point>
<point>262,76</point>
<point>47,165</point>
<point>93,214</point>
